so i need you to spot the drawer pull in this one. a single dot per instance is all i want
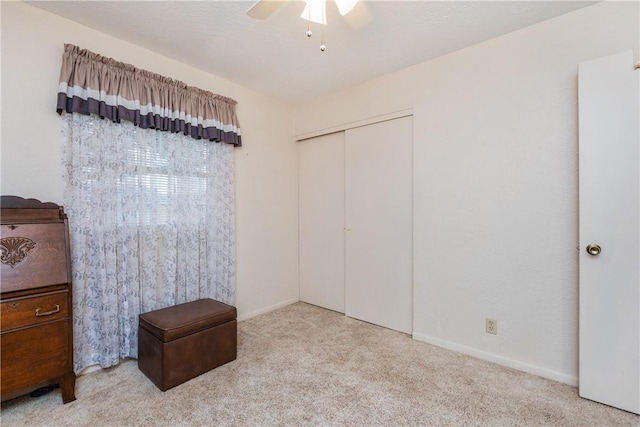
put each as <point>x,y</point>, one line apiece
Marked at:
<point>48,313</point>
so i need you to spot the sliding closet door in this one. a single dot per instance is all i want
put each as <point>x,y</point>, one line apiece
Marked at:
<point>321,213</point>
<point>378,210</point>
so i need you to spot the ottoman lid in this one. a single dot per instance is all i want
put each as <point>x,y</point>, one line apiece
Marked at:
<point>180,320</point>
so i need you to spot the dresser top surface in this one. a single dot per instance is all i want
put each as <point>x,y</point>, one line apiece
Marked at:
<point>15,209</point>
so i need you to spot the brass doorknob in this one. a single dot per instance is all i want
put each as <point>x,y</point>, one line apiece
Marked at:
<point>593,249</point>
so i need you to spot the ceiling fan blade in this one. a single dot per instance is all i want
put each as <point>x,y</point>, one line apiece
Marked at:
<point>359,17</point>
<point>264,8</point>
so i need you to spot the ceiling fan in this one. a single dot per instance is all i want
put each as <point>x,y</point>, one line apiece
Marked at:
<point>315,11</point>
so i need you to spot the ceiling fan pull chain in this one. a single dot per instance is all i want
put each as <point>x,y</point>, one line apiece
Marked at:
<point>322,45</point>
<point>309,32</point>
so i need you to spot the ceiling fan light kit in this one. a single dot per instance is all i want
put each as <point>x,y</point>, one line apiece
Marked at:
<point>345,6</point>
<point>314,11</point>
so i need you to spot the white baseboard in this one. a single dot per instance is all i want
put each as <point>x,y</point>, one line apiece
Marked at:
<point>94,368</point>
<point>89,369</point>
<point>267,309</point>
<point>500,360</point>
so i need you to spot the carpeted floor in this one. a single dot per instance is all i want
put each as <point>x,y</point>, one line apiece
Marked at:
<point>303,365</point>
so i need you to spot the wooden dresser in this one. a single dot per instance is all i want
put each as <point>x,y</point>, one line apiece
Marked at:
<point>36,335</point>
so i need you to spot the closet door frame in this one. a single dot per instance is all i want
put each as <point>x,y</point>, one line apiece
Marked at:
<point>314,276</point>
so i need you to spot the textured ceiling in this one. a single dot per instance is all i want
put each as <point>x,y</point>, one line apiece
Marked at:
<point>275,56</point>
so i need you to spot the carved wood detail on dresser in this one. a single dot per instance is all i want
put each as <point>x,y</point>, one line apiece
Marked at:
<point>36,322</point>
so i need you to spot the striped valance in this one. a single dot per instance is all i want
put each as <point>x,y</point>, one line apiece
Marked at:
<point>94,84</point>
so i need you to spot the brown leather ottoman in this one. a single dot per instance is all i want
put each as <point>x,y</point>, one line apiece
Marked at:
<point>176,344</point>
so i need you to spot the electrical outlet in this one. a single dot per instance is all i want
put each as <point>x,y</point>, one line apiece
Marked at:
<point>492,326</point>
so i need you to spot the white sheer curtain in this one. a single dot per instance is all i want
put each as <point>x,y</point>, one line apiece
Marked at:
<point>151,217</point>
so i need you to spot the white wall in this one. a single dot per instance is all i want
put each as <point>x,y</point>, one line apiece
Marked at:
<point>495,171</point>
<point>495,184</point>
<point>266,166</point>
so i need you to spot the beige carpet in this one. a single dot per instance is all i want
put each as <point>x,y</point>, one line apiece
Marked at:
<point>302,365</point>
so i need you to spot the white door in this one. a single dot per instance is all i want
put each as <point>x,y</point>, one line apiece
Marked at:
<point>321,221</point>
<point>379,248</point>
<point>609,221</point>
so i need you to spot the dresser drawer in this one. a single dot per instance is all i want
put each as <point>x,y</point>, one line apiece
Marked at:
<point>32,310</point>
<point>33,255</point>
<point>34,355</point>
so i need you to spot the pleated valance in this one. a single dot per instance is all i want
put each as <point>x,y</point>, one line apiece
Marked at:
<point>93,84</point>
